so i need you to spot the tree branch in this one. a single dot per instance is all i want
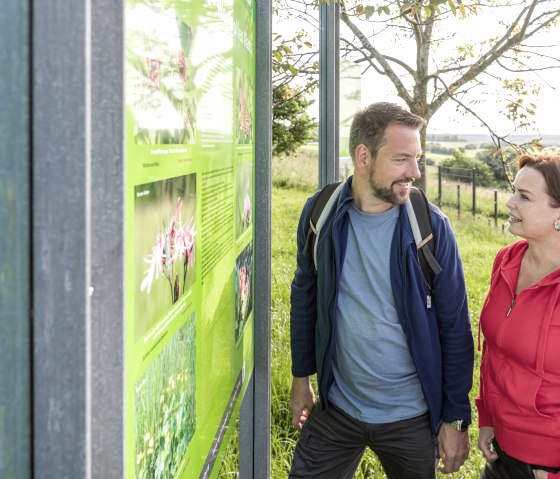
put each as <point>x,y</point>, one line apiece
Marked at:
<point>506,42</point>
<point>401,89</point>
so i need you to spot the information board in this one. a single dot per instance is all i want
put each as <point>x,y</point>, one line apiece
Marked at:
<point>190,167</point>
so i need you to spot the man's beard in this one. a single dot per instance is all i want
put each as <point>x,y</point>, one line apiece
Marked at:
<point>388,194</point>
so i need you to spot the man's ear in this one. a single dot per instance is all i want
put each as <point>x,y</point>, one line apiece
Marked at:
<point>361,154</point>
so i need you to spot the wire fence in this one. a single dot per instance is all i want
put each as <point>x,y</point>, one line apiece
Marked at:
<point>457,188</point>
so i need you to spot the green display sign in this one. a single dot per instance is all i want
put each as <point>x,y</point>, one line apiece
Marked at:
<point>190,157</point>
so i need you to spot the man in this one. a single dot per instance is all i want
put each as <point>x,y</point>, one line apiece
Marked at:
<point>394,363</point>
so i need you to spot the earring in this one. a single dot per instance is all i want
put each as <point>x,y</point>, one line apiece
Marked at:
<point>557,224</point>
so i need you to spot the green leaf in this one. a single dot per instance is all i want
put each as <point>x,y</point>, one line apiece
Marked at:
<point>368,11</point>
<point>452,6</point>
<point>278,56</point>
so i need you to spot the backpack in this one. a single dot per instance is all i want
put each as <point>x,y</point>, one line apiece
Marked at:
<point>418,215</point>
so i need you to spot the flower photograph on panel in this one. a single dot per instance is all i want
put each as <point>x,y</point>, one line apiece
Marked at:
<point>160,86</point>
<point>243,289</point>
<point>244,195</point>
<point>164,240</point>
<point>165,407</point>
<point>244,90</point>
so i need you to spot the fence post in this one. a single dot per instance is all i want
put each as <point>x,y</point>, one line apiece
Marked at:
<point>473,191</point>
<point>439,185</point>
<point>496,208</point>
<point>458,200</point>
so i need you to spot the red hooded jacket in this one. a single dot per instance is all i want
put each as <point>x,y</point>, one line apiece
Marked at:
<point>520,369</point>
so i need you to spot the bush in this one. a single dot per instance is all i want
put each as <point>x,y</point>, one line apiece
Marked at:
<point>459,168</point>
<point>493,158</point>
<point>291,125</point>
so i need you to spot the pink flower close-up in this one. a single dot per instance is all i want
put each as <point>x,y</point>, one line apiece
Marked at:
<point>246,216</point>
<point>184,244</point>
<point>243,282</point>
<point>172,245</point>
<point>156,260</point>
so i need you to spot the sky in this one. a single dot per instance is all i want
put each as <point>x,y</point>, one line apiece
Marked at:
<point>447,120</point>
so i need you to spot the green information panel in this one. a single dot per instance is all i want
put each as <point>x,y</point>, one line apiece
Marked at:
<point>190,157</point>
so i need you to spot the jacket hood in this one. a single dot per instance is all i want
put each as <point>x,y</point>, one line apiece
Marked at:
<point>511,260</point>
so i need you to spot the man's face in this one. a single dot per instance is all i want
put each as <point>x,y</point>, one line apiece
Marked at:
<point>395,167</point>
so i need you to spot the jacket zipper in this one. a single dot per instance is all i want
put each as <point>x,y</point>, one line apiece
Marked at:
<point>510,307</point>
<point>332,296</point>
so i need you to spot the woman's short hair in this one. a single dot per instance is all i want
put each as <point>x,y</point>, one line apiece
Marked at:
<point>369,125</point>
<point>549,167</point>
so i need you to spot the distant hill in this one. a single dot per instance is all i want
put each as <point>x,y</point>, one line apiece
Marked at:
<point>546,140</point>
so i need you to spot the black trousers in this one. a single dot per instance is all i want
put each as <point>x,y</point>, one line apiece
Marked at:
<point>331,446</point>
<point>507,467</point>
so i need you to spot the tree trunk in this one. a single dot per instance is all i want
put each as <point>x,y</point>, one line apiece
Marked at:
<point>419,107</point>
<point>422,183</point>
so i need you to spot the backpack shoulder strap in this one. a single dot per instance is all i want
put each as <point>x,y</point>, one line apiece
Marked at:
<point>322,207</point>
<point>421,223</point>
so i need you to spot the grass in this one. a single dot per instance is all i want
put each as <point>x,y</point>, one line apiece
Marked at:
<point>478,244</point>
<point>165,407</point>
<point>486,205</point>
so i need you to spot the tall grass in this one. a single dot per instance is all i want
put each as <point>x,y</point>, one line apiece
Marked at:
<point>478,243</point>
<point>165,407</point>
<point>484,202</point>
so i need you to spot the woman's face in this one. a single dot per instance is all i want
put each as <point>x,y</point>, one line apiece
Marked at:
<point>531,215</point>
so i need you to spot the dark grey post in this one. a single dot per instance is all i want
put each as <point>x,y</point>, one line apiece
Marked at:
<point>496,208</point>
<point>458,200</point>
<point>474,191</point>
<point>78,220</point>
<point>15,258</point>
<point>328,93</point>
<point>439,191</point>
<point>105,310</point>
<point>254,461</point>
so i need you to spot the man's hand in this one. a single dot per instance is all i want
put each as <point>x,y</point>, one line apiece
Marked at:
<point>453,448</point>
<point>302,401</point>
<point>485,437</point>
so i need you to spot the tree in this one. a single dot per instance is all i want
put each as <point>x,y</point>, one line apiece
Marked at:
<point>294,77</point>
<point>291,124</point>
<point>503,171</point>
<point>424,80</point>
<point>459,168</point>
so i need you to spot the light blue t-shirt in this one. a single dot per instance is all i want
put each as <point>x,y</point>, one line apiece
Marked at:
<point>375,380</point>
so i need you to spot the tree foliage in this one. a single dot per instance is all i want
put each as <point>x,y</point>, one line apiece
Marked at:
<point>403,40</point>
<point>294,78</point>
<point>291,123</point>
<point>459,168</point>
<point>501,163</point>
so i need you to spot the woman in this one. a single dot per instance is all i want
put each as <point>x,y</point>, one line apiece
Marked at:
<point>519,402</point>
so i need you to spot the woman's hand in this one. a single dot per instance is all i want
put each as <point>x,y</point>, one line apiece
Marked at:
<point>485,437</point>
<point>539,474</point>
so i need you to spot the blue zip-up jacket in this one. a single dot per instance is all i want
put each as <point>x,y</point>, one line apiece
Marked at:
<point>439,334</point>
